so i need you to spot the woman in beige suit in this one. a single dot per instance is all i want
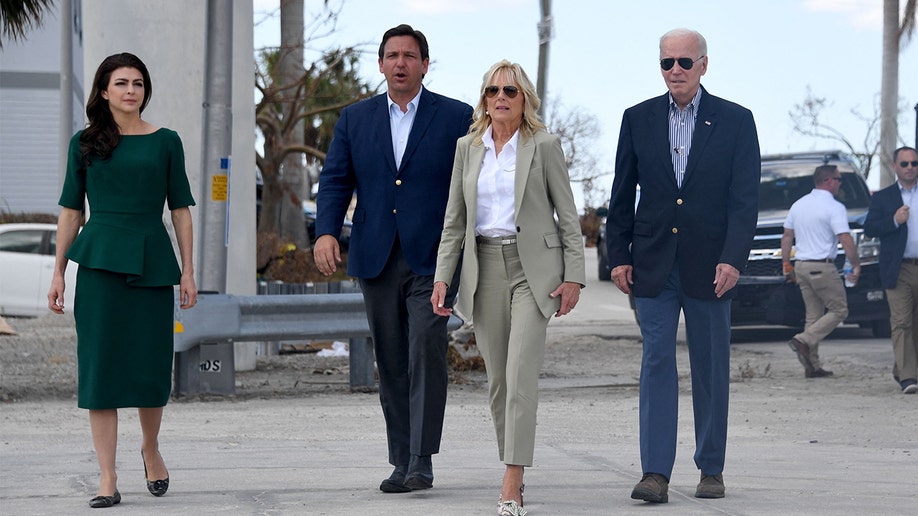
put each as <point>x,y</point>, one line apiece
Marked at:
<point>512,217</point>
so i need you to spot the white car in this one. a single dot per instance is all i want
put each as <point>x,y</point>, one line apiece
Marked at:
<point>26,267</point>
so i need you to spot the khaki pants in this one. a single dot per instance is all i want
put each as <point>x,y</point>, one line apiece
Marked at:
<point>826,303</point>
<point>903,313</point>
<point>510,333</point>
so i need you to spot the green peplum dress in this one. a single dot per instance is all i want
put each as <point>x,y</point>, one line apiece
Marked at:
<point>124,298</point>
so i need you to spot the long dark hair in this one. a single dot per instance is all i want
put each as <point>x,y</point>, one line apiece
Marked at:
<point>101,135</point>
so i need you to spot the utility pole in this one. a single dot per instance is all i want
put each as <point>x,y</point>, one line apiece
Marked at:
<point>545,29</point>
<point>66,122</point>
<point>217,144</point>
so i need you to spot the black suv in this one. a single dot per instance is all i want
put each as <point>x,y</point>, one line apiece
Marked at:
<point>762,297</point>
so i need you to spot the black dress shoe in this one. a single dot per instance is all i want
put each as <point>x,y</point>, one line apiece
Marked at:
<point>100,502</point>
<point>420,473</point>
<point>818,373</point>
<point>396,481</point>
<point>156,487</point>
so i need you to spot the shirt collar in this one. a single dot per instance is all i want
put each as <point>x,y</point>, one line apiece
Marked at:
<point>488,139</point>
<point>904,189</point>
<point>413,102</point>
<point>693,104</point>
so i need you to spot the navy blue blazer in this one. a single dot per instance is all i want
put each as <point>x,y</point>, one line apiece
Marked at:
<point>711,219</point>
<point>409,201</point>
<point>880,224</point>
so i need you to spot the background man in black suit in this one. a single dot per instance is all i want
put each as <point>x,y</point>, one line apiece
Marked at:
<point>696,160</point>
<point>892,220</point>
<point>396,150</point>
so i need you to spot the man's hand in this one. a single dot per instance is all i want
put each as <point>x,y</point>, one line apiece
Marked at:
<point>327,254</point>
<point>901,215</point>
<point>789,275</point>
<point>621,275</point>
<point>725,278</point>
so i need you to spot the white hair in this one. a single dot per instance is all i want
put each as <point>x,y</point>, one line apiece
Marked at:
<point>702,44</point>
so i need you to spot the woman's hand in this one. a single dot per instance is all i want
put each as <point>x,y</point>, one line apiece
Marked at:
<point>56,294</point>
<point>438,298</point>
<point>570,295</point>
<point>188,292</point>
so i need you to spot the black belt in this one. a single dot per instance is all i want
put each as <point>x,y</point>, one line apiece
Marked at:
<point>507,240</point>
<point>824,260</point>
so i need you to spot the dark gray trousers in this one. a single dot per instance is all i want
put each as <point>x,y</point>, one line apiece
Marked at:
<point>410,343</point>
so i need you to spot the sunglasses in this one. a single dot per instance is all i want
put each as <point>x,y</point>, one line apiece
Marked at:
<point>685,63</point>
<point>905,164</point>
<point>510,91</point>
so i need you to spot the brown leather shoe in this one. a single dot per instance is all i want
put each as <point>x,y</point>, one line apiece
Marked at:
<point>818,373</point>
<point>711,486</point>
<point>803,355</point>
<point>653,487</point>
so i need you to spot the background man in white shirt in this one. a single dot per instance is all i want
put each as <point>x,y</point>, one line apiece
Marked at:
<point>818,223</point>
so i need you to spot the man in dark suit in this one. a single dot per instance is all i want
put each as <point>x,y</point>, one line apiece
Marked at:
<point>695,158</point>
<point>891,219</point>
<point>396,151</point>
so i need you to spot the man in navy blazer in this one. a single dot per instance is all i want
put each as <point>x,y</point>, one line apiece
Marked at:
<point>396,152</point>
<point>695,159</point>
<point>891,219</point>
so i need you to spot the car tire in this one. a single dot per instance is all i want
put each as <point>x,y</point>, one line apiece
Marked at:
<point>603,271</point>
<point>881,329</point>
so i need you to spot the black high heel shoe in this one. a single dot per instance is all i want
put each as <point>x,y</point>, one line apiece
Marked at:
<point>100,502</point>
<point>156,487</point>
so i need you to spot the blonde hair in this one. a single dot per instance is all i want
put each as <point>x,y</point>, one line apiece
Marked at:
<point>514,72</point>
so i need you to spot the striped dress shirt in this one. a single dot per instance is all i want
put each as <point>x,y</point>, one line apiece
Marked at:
<point>681,129</point>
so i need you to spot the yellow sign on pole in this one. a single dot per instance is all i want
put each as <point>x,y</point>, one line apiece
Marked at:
<point>219,187</point>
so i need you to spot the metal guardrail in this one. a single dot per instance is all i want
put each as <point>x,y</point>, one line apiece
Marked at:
<point>204,334</point>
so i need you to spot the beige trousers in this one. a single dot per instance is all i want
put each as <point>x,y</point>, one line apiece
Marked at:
<point>903,315</point>
<point>510,332</point>
<point>826,303</point>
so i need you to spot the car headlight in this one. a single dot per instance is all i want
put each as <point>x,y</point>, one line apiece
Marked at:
<point>868,248</point>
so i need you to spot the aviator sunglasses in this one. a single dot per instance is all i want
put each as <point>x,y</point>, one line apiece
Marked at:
<point>510,91</point>
<point>685,63</point>
<point>905,164</point>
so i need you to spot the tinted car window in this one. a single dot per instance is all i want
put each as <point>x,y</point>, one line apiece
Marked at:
<point>21,241</point>
<point>783,183</point>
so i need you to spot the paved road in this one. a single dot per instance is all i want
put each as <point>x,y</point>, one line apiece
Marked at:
<point>845,446</point>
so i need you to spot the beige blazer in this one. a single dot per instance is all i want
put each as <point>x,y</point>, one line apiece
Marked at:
<point>547,225</point>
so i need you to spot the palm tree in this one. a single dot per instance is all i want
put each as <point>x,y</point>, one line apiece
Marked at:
<point>17,17</point>
<point>895,36</point>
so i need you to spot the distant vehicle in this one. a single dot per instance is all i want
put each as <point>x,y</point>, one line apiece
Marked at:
<point>26,267</point>
<point>309,213</point>
<point>762,296</point>
<point>602,251</point>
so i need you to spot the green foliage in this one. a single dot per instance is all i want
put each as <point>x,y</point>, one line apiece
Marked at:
<point>17,17</point>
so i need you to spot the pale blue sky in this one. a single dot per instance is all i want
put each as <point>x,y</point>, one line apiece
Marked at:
<point>604,54</point>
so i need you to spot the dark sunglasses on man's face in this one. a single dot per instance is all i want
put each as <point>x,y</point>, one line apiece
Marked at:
<point>905,164</point>
<point>685,63</point>
<point>510,91</point>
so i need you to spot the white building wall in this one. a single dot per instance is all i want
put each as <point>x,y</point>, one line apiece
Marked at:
<point>30,113</point>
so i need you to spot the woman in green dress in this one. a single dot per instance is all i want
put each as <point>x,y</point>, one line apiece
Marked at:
<point>123,305</point>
